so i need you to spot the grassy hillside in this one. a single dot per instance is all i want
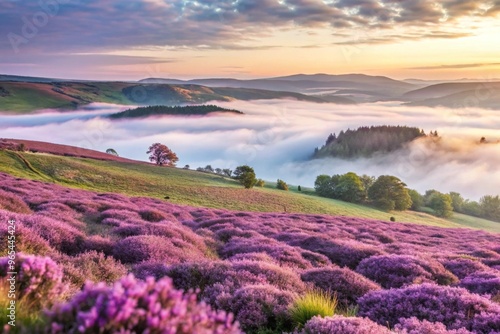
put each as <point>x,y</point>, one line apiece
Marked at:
<point>24,97</point>
<point>196,188</point>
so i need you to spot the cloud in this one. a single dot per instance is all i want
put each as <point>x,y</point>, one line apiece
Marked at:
<point>454,66</point>
<point>277,137</point>
<point>54,26</point>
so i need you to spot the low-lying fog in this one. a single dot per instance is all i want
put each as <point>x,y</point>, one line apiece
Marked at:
<point>277,138</point>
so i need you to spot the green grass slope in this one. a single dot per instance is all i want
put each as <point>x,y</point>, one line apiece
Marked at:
<point>198,189</point>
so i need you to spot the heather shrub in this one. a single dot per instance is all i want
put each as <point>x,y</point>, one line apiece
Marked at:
<point>415,326</point>
<point>154,248</point>
<point>280,277</point>
<point>342,325</point>
<point>199,275</point>
<point>119,214</point>
<point>313,303</point>
<point>345,253</point>
<point>13,203</point>
<point>98,244</point>
<point>60,236</point>
<point>27,241</point>
<point>347,284</point>
<point>454,307</point>
<point>486,323</point>
<point>395,271</point>
<point>132,306</point>
<point>462,267</point>
<point>483,283</point>
<point>259,307</point>
<point>150,269</point>
<point>92,266</point>
<point>152,215</point>
<point>283,254</point>
<point>38,280</point>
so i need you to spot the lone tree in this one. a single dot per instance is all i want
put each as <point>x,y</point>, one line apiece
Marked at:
<point>112,152</point>
<point>246,175</point>
<point>280,184</point>
<point>161,155</point>
<point>390,193</point>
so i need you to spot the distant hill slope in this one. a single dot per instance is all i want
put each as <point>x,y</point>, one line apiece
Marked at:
<point>63,150</point>
<point>193,188</point>
<point>377,87</point>
<point>456,95</point>
<point>29,96</point>
<point>174,110</point>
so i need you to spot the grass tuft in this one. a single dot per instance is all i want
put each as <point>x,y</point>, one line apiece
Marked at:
<point>313,303</point>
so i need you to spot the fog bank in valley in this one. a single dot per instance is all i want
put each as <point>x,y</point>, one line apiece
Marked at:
<point>278,137</point>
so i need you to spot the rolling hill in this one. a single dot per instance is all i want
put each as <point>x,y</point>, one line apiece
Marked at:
<point>456,95</point>
<point>191,187</point>
<point>23,97</point>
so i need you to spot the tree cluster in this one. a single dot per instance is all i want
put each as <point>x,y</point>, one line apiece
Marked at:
<point>365,141</point>
<point>171,110</point>
<point>386,192</point>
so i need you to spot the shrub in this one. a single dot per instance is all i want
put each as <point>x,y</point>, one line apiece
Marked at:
<point>92,266</point>
<point>154,248</point>
<point>392,219</point>
<point>132,306</point>
<point>342,325</point>
<point>347,284</point>
<point>12,202</point>
<point>345,253</point>
<point>259,307</point>
<point>280,184</point>
<point>415,326</point>
<point>454,307</point>
<point>260,183</point>
<point>482,282</point>
<point>462,267</point>
<point>98,244</point>
<point>395,271</point>
<point>38,280</point>
<point>150,269</point>
<point>152,216</point>
<point>313,303</point>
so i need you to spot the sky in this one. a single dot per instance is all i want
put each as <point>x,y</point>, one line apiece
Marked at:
<point>131,40</point>
<point>278,137</point>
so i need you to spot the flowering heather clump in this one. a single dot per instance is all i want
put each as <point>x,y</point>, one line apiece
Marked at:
<point>121,215</point>
<point>345,253</point>
<point>27,241</point>
<point>415,326</point>
<point>13,203</point>
<point>454,307</point>
<point>38,280</point>
<point>462,267</point>
<point>483,283</point>
<point>98,244</point>
<point>347,284</point>
<point>261,306</point>
<point>150,269</point>
<point>132,306</point>
<point>60,235</point>
<point>343,325</point>
<point>283,254</point>
<point>152,215</point>
<point>395,271</point>
<point>153,248</point>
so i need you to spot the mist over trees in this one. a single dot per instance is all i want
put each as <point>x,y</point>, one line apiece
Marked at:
<point>390,193</point>
<point>366,141</point>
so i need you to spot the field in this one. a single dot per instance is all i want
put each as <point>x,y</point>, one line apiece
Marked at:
<point>262,268</point>
<point>199,189</point>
